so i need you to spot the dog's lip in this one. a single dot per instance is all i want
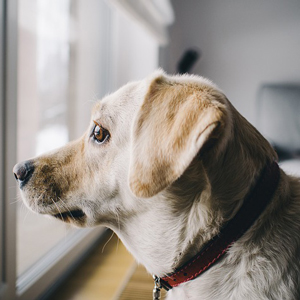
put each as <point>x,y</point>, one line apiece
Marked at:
<point>75,214</point>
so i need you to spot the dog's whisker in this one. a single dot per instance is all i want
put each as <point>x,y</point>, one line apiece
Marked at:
<point>65,225</point>
<point>59,211</point>
<point>118,243</point>
<point>27,211</point>
<point>107,241</point>
<point>65,228</point>
<point>40,196</point>
<point>18,196</point>
<point>119,227</point>
<point>16,201</point>
<point>66,207</point>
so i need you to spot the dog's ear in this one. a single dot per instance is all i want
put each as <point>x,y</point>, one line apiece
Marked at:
<point>174,122</point>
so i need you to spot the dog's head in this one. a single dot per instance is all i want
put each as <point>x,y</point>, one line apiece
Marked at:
<point>141,139</point>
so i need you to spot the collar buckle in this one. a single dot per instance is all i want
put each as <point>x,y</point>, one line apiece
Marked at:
<point>159,284</point>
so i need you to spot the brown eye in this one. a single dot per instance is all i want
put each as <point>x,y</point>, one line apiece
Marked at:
<point>100,135</point>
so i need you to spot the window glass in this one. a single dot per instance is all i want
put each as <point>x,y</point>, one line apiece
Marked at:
<point>42,110</point>
<point>62,57</point>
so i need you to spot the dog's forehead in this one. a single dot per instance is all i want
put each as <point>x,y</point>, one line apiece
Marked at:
<point>127,99</point>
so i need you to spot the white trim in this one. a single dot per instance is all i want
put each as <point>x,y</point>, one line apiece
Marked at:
<point>153,15</point>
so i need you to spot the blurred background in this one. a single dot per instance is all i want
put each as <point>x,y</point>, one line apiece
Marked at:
<point>57,57</point>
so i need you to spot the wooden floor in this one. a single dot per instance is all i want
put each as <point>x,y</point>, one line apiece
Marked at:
<point>109,273</point>
<point>139,286</point>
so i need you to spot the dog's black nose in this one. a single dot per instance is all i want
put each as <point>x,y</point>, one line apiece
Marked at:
<point>23,171</point>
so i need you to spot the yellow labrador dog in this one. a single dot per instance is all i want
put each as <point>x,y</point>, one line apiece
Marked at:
<point>190,187</point>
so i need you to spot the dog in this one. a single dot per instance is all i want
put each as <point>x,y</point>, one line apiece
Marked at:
<point>167,162</point>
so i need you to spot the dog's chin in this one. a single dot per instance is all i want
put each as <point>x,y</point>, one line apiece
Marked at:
<point>75,217</point>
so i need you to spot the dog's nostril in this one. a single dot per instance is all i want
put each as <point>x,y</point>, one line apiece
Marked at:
<point>20,172</point>
<point>23,171</point>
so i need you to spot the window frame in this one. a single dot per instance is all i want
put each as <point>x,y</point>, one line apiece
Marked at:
<point>9,39</point>
<point>1,145</point>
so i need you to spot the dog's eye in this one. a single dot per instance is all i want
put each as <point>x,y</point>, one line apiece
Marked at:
<point>100,135</point>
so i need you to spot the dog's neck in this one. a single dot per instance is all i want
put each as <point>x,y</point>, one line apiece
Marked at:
<point>172,227</point>
<point>169,229</point>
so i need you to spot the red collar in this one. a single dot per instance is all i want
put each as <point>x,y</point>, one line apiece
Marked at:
<point>253,206</point>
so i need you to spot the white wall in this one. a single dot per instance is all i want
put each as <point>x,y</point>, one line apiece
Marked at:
<point>243,44</point>
<point>135,51</point>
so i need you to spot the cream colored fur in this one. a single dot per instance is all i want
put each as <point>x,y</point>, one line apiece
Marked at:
<point>178,164</point>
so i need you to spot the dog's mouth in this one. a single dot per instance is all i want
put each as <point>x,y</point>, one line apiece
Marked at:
<point>72,215</point>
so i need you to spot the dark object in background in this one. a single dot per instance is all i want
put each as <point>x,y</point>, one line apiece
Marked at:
<point>188,60</point>
<point>278,118</point>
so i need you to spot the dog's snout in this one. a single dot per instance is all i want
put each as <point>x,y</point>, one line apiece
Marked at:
<point>23,171</point>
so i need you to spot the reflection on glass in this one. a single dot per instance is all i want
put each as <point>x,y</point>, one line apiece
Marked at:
<point>44,63</point>
<point>52,67</point>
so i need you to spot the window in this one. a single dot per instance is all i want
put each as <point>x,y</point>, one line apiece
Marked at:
<point>56,58</point>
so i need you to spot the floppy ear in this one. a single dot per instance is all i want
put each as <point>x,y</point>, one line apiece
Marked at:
<point>174,122</point>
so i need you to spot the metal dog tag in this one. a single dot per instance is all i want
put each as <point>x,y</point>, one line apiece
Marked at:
<point>156,294</point>
<point>157,288</point>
